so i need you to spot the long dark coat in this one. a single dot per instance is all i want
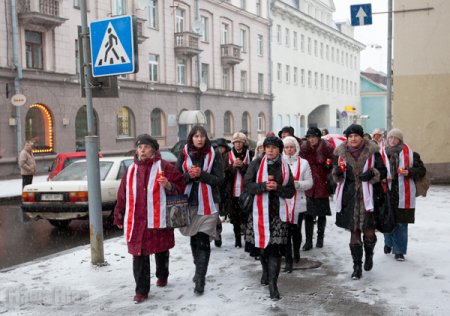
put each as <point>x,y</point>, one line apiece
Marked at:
<point>353,215</point>
<point>278,229</point>
<point>145,241</point>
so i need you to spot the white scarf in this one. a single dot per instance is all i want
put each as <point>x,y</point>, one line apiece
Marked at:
<point>367,187</point>
<point>294,203</point>
<point>385,158</point>
<point>156,200</point>
<point>238,185</point>
<point>406,185</point>
<point>261,225</point>
<point>205,198</point>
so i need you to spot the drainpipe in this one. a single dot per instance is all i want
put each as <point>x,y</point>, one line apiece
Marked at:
<point>18,76</point>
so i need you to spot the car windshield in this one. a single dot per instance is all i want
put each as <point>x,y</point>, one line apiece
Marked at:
<point>167,155</point>
<point>78,171</point>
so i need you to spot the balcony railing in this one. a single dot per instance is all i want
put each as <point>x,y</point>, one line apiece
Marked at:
<point>230,54</point>
<point>40,12</point>
<point>186,44</point>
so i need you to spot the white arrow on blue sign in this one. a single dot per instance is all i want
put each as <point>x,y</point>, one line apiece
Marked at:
<point>112,46</point>
<point>361,14</point>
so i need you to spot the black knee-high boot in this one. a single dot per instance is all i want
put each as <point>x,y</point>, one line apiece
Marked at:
<point>162,265</point>
<point>321,223</point>
<point>265,274</point>
<point>201,267</point>
<point>369,245</point>
<point>274,271</point>
<point>237,235</point>
<point>357,254</point>
<point>309,230</point>
<point>289,260</point>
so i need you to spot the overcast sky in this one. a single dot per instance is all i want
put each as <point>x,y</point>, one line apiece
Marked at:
<point>372,36</point>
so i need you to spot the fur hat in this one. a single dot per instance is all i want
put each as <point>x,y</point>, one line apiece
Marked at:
<point>378,131</point>
<point>313,131</point>
<point>354,129</point>
<point>396,133</point>
<point>286,129</point>
<point>239,137</point>
<point>275,141</point>
<point>221,142</point>
<point>148,140</point>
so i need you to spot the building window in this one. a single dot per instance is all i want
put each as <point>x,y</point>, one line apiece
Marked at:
<point>210,128</point>
<point>295,75</point>
<point>286,37</point>
<point>226,78</point>
<point>179,20</point>
<point>243,81</point>
<point>328,82</point>
<point>327,52</point>
<point>321,81</point>
<point>225,33</point>
<point>81,128</point>
<point>337,55</point>
<point>279,121</point>
<point>39,128</point>
<point>228,127</point>
<point>243,4</point>
<point>119,7</point>
<point>261,122</point>
<point>205,74</point>
<point>302,77</point>
<point>279,34</point>
<point>153,13</point>
<point>153,67</point>
<point>246,121</point>
<point>309,78</point>
<point>332,83</point>
<point>260,83</point>
<point>288,73</point>
<point>181,71</point>
<point>33,43</point>
<point>124,122</point>
<point>315,48</point>
<point>332,54</point>
<point>76,4</point>
<point>279,72</point>
<point>302,43</point>
<point>205,29</point>
<point>77,57</point>
<point>316,80</point>
<point>295,39</point>
<point>309,45</point>
<point>258,7</point>
<point>156,123</point>
<point>321,50</point>
<point>243,40</point>
<point>259,45</point>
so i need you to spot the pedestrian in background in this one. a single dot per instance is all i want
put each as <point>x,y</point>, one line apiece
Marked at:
<point>358,174</point>
<point>203,174</point>
<point>141,211</point>
<point>222,149</point>
<point>27,163</point>
<point>405,167</point>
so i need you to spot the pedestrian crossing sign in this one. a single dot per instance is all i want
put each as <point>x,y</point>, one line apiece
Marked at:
<point>113,46</point>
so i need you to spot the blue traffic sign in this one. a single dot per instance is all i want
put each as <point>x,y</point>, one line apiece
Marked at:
<point>112,46</point>
<point>361,14</point>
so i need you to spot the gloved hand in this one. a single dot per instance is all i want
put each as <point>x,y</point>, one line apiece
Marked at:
<point>339,172</point>
<point>366,176</point>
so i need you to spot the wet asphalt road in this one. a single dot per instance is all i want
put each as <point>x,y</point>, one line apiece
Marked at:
<point>22,240</point>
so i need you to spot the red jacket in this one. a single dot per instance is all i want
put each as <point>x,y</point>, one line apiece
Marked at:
<point>145,241</point>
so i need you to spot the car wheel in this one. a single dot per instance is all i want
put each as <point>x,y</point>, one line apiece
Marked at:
<point>63,224</point>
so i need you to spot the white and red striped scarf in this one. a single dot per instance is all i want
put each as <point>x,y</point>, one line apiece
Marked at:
<point>156,200</point>
<point>293,203</point>
<point>367,187</point>
<point>261,225</point>
<point>385,158</point>
<point>406,186</point>
<point>205,198</point>
<point>238,185</point>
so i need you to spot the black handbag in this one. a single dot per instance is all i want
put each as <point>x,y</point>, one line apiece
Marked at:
<point>385,215</point>
<point>177,211</point>
<point>246,202</point>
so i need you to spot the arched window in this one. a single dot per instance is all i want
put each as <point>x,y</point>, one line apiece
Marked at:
<point>302,125</point>
<point>279,122</point>
<point>261,122</point>
<point>228,123</point>
<point>210,125</point>
<point>125,122</point>
<point>39,128</point>
<point>157,123</point>
<point>246,122</point>
<point>81,128</point>
<point>288,120</point>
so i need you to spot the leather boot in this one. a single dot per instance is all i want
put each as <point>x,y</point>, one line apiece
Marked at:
<point>309,229</point>
<point>321,223</point>
<point>288,257</point>
<point>237,235</point>
<point>274,270</point>
<point>369,245</point>
<point>203,254</point>
<point>265,276</point>
<point>357,254</point>
<point>194,248</point>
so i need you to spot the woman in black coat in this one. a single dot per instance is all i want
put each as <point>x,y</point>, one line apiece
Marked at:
<point>358,174</point>
<point>270,180</point>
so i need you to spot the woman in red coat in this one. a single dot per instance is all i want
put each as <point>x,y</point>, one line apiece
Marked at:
<point>144,222</point>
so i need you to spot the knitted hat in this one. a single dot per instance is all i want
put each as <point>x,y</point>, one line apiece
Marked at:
<point>313,131</point>
<point>377,131</point>
<point>354,129</point>
<point>292,141</point>
<point>396,133</point>
<point>239,137</point>
<point>275,141</point>
<point>148,140</point>
<point>286,129</point>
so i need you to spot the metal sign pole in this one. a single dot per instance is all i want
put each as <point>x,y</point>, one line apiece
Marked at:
<point>93,170</point>
<point>389,70</point>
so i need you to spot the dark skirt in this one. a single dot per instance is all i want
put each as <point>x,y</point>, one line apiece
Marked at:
<point>318,206</point>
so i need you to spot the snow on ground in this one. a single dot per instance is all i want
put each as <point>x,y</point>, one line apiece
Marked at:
<point>68,284</point>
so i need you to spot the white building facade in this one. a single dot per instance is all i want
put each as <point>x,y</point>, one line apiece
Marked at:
<point>315,66</point>
<point>210,56</point>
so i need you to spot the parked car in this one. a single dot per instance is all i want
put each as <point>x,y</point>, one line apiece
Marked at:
<point>63,160</point>
<point>166,154</point>
<point>66,197</point>
<point>178,147</point>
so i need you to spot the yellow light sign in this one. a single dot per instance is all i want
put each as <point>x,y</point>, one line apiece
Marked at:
<point>349,108</point>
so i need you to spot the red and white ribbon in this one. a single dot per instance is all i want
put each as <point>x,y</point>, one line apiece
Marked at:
<point>238,185</point>
<point>294,204</point>
<point>406,186</point>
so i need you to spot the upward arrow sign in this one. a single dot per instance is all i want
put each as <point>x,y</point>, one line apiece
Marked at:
<point>361,15</point>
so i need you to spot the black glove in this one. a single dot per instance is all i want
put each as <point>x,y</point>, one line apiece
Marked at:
<point>339,172</point>
<point>366,176</point>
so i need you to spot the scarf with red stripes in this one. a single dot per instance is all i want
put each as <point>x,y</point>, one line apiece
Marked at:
<point>406,186</point>
<point>367,187</point>
<point>205,198</point>
<point>261,225</point>
<point>385,158</point>
<point>294,202</point>
<point>238,185</point>
<point>156,200</point>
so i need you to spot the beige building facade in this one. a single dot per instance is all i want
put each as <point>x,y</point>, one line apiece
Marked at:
<point>421,106</point>
<point>210,56</point>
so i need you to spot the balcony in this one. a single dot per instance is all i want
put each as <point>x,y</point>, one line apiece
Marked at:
<point>140,31</point>
<point>44,13</point>
<point>186,44</point>
<point>230,54</point>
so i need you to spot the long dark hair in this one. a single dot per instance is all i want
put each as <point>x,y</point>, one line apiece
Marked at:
<point>202,130</point>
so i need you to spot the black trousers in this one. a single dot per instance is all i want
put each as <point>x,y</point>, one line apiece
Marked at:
<point>141,270</point>
<point>26,180</point>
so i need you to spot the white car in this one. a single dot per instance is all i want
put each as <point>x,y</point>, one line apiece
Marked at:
<point>66,196</point>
